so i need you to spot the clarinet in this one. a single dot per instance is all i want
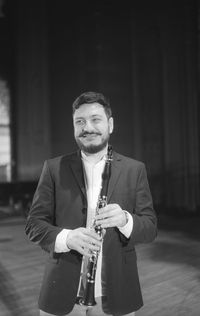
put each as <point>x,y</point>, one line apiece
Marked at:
<point>88,298</point>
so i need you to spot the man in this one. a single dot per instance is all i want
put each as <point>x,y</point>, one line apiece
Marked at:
<point>63,211</point>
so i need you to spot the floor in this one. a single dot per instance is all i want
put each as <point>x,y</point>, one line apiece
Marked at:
<point>169,269</point>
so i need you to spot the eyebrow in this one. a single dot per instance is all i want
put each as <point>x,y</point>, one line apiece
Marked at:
<point>93,115</point>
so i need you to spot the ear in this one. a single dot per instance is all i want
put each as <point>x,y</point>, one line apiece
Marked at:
<point>111,124</point>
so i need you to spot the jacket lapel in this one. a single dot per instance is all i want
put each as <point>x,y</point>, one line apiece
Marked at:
<point>77,169</point>
<point>115,172</point>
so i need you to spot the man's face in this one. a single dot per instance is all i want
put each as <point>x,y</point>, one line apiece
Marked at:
<point>92,128</point>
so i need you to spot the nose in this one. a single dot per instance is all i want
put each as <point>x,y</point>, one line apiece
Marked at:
<point>88,126</point>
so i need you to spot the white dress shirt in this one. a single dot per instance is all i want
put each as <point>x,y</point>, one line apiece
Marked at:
<point>93,166</point>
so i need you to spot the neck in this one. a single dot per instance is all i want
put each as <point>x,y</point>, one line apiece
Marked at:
<point>97,156</point>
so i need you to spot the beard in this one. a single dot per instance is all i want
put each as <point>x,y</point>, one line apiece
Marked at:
<point>92,149</point>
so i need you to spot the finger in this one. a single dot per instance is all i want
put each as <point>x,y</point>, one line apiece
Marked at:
<point>108,211</point>
<point>79,239</point>
<point>105,223</point>
<point>105,209</point>
<point>90,246</point>
<point>92,234</point>
<point>103,232</point>
<point>84,242</point>
<point>109,222</point>
<point>84,251</point>
<point>109,207</point>
<point>88,250</point>
<point>94,248</point>
<point>90,242</point>
<point>106,216</point>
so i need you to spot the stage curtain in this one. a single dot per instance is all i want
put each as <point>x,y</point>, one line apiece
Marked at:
<point>165,59</point>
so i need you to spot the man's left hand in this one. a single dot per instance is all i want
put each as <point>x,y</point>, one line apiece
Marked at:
<point>111,216</point>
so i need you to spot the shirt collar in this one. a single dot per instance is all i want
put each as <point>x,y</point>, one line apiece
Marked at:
<point>94,158</point>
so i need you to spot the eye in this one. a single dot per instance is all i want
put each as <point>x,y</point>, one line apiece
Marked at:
<point>96,120</point>
<point>79,122</point>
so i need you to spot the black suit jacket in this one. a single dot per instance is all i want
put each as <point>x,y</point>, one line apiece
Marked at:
<point>60,202</point>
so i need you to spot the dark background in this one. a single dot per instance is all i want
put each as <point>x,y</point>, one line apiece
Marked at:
<point>144,55</point>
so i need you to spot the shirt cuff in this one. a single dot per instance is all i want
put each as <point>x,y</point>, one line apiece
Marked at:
<point>126,230</point>
<point>60,243</point>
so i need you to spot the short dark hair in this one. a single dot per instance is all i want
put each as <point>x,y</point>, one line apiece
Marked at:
<point>92,97</point>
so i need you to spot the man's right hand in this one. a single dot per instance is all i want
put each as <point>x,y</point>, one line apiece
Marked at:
<point>84,240</point>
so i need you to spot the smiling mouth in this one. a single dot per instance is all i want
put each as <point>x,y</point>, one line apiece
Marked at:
<point>89,136</point>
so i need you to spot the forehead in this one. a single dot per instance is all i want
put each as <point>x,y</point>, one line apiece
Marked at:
<point>89,109</point>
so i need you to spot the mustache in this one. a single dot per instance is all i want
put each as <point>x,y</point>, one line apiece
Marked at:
<point>83,134</point>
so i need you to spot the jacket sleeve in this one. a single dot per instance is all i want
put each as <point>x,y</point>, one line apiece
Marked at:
<point>40,226</point>
<point>144,216</point>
